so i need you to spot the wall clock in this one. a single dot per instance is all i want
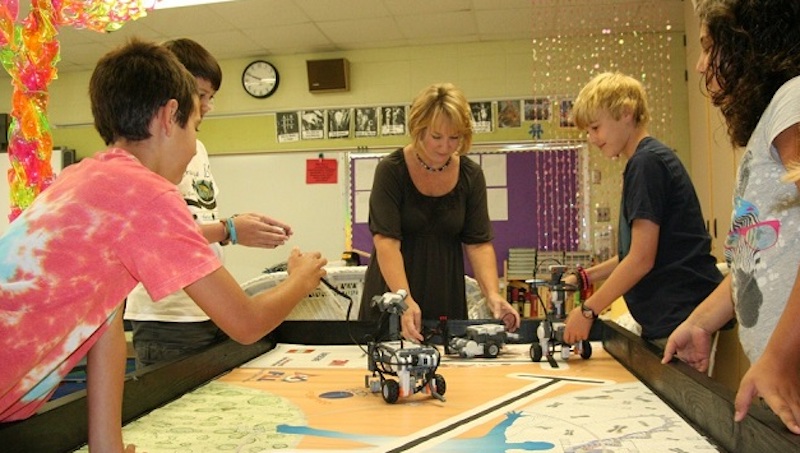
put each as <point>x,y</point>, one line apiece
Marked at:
<point>260,79</point>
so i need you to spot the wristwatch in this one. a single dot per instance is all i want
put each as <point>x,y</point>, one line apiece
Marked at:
<point>587,312</point>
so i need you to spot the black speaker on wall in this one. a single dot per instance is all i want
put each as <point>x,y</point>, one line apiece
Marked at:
<point>328,75</point>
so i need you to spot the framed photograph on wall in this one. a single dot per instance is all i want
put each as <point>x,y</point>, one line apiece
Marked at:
<point>393,120</point>
<point>339,123</point>
<point>288,126</point>
<point>565,113</point>
<point>366,122</point>
<point>537,109</point>
<point>312,124</point>
<point>481,116</point>
<point>509,114</point>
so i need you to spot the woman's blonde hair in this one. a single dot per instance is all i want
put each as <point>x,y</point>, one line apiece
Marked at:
<point>613,92</point>
<point>442,101</point>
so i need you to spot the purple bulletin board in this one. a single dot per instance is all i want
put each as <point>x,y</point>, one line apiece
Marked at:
<point>543,188</point>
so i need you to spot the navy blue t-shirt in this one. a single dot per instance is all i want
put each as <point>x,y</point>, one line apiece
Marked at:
<point>657,187</point>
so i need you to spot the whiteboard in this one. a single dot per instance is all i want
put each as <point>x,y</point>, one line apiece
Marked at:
<point>275,184</point>
<point>5,192</point>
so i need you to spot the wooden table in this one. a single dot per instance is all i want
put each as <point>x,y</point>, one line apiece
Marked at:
<point>620,398</point>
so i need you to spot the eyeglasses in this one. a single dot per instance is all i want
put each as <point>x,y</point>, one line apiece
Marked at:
<point>759,236</point>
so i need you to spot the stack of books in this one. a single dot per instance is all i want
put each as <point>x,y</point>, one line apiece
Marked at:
<point>521,262</point>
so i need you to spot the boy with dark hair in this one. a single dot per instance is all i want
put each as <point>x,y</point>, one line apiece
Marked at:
<point>174,326</point>
<point>107,223</point>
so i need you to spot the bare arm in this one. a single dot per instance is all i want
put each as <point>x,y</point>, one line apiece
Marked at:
<point>600,272</point>
<point>629,271</point>
<point>484,263</point>
<point>394,272</point>
<point>775,376</point>
<point>391,262</point>
<point>252,230</point>
<point>246,319</point>
<point>691,340</point>
<point>105,378</point>
<point>596,273</point>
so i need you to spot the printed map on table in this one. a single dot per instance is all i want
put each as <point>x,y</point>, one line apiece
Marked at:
<point>591,405</point>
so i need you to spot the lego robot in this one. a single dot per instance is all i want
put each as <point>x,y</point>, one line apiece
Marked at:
<point>550,332</point>
<point>413,366</point>
<point>481,340</point>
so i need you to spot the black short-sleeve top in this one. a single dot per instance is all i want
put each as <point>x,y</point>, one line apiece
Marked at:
<point>431,231</point>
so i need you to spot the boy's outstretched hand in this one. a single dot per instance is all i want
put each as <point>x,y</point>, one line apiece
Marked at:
<point>307,267</point>
<point>258,230</point>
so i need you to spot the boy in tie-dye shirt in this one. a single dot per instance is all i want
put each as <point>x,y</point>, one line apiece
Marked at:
<point>107,223</point>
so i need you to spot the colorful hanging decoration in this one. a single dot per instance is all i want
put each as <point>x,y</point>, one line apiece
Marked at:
<point>29,52</point>
<point>566,53</point>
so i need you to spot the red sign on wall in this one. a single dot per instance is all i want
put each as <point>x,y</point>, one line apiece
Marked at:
<point>321,171</point>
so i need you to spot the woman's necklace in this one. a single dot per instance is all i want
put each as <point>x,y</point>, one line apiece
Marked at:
<point>429,168</point>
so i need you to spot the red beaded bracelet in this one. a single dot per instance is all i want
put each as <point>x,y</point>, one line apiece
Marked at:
<point>585,283</point>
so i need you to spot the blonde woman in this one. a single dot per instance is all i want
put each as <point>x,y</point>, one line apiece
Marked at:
<point>427,206</point>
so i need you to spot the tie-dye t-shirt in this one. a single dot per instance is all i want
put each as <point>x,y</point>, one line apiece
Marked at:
<point>67,263</point>
<point>199,190</point>
<point>763,247</point>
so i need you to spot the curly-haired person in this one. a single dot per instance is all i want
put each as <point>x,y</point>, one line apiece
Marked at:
<point>750,60</point>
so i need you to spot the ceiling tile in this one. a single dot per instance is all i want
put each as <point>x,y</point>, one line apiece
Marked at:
<point>346,32</point>
<point>504,22</point>
<point>251,14</point>
<point>324,10</point>
<point>291,39</point>
<point>423,7</point>
<point>438,26</point>
<point>246,28</point>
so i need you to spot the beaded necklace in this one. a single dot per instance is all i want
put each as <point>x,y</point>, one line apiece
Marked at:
<point>433,169</point>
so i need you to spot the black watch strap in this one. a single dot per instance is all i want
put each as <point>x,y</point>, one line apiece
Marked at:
<point>588,313</point>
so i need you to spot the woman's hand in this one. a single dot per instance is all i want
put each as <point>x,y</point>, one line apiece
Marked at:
<point>503,311</point>
<point>411,322</point>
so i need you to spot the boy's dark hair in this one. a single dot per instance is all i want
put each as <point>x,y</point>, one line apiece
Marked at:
<point>197,60</point>
<point>129,85</point>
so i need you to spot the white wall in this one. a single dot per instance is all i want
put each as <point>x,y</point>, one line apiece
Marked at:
<point>275,184</point>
